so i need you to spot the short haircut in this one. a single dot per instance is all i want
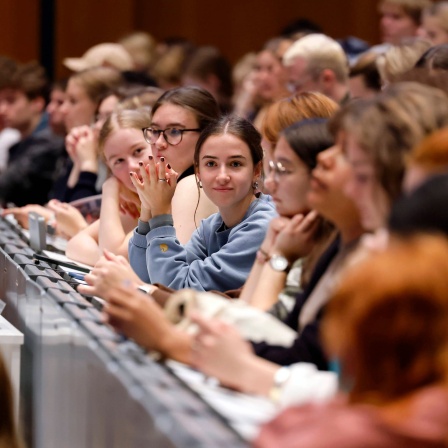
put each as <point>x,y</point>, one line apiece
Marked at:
<point>321,52</point>
<point>285,112</point>
<point>412,8</point>
<point>29,78</point>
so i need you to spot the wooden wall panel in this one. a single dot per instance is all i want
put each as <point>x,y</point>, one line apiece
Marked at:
<point>239,26</point>
<point>234,26</point>
<point>19,29</point>
<point>80,24</point>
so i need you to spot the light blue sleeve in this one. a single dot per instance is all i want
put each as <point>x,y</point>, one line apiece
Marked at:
<point>137,255</point>
<point>225,268</point>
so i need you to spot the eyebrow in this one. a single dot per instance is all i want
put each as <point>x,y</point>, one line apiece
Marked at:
<point>169,125</point>
<point>216,158</point>
<point>131,148</point>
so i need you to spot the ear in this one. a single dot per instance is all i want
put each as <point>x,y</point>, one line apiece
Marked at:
<point>327,77</point>
<point>258,169</point>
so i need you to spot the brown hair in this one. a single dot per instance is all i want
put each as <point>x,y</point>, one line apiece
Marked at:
<point>387,127</point>
<point>392,336</point>
<point>285,112</point>
<point>195,99</point>
<point>412,8</point>
<point>98,82</point>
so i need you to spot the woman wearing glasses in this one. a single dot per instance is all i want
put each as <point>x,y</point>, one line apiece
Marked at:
<point>228,163</point>
<point>176,111</point>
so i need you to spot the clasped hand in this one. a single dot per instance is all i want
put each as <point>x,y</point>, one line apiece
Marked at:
<point>155,184</point>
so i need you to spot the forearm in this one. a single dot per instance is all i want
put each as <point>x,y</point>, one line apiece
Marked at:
<point>251,283</point>
<point>177,345</point>
<point>83,248</point>
<point>270,283</point>
<point>112,235</point>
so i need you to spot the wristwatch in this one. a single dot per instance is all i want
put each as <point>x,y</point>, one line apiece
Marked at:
<point>279,263</point>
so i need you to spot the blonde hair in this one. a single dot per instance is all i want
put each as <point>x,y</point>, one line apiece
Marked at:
<point>125,119</point>
<point>412,8</point>
<point>400,58</point>
<point>142,48</point>
<point>321,52</point>
<point>98,82</point>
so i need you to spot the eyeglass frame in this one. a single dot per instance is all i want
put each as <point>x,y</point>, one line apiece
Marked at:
<point>162,131</point>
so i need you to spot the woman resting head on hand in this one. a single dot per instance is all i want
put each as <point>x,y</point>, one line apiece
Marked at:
<point>122,145</point>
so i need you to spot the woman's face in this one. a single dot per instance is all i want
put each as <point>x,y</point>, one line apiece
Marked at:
<point>78,108</point>
<point>123,150</point>
<point>328,181</point>
<point>288,180</point>
<point>180,157</point>
<point>226,171</point>
<point>270,76</point>
<point>364,188</point>
<point>105,110</point>
<point>432,30</point>
<point>55,111</point>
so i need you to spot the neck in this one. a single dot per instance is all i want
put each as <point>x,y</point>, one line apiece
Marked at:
<point>28,130</point>
<point>234,214</point>
<point>340,93</point>
<point>350,232</point>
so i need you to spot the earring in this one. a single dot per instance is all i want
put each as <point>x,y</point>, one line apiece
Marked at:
<point>255,185</point>
<point>199,183</point>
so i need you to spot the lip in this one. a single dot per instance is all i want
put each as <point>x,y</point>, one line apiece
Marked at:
<point>317,183</point>
<point>223,189</point>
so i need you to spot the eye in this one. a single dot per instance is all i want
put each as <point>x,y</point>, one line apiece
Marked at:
<point>235,164</point>
<point>138,152</point>
<point>173,132</point>
<point>118,162</point>
<point>155,133</point>
<point>210,163</point>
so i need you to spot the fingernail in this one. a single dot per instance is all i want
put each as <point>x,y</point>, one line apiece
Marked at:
<point>162,159</point>
<point>140,163</point>
<point>168,166</point>
<point>150,157</point>
<point>130,174</point>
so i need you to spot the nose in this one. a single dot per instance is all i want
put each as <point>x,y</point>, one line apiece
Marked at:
<point>269,182</point>
<point>326,159</point>
<point>161,141</point>
<point>133,164</point>
<point>223,176</point>
<point>64,108</point>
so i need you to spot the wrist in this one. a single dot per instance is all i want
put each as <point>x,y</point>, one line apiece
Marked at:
<point>161,211</point>
<point>145,214</point>
<point>262,256</point>
<point>89,165</point>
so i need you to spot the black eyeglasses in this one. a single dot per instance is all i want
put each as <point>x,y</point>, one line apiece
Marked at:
<point>173,136</point>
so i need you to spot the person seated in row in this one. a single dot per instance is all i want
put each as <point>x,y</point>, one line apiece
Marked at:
<point>219,255</point>
<point>123,145</point>
<point>388,343</point>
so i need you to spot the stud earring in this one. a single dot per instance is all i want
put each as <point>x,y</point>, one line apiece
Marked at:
<point>255,185</point>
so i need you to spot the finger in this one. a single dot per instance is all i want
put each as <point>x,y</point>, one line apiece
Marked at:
<point>172,176</point>
<point>87,290</point>
<point>161,169</point>
<point>138,184</point>
<point>152,168</point>
<point>206,326</point>
<point>309,220</point>
<point>12,211</point>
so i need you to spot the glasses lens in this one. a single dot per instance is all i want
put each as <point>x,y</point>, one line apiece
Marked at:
<point>151,135</point>
<point>173,135</point>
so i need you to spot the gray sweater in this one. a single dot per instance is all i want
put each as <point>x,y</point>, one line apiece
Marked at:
<point>214,258</point>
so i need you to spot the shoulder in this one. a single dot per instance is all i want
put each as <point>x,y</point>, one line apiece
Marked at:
<point>263,205</point>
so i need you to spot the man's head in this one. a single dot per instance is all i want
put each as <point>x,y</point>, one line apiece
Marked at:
<point>317,63</point>
<point>400,19</point>
<point>23,95</point>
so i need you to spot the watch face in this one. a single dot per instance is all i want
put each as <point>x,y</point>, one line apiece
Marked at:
<point>279,263</point>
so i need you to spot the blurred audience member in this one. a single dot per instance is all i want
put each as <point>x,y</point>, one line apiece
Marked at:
<point>435,23</point>
<point>364,78</point>
<point>318,63</point>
